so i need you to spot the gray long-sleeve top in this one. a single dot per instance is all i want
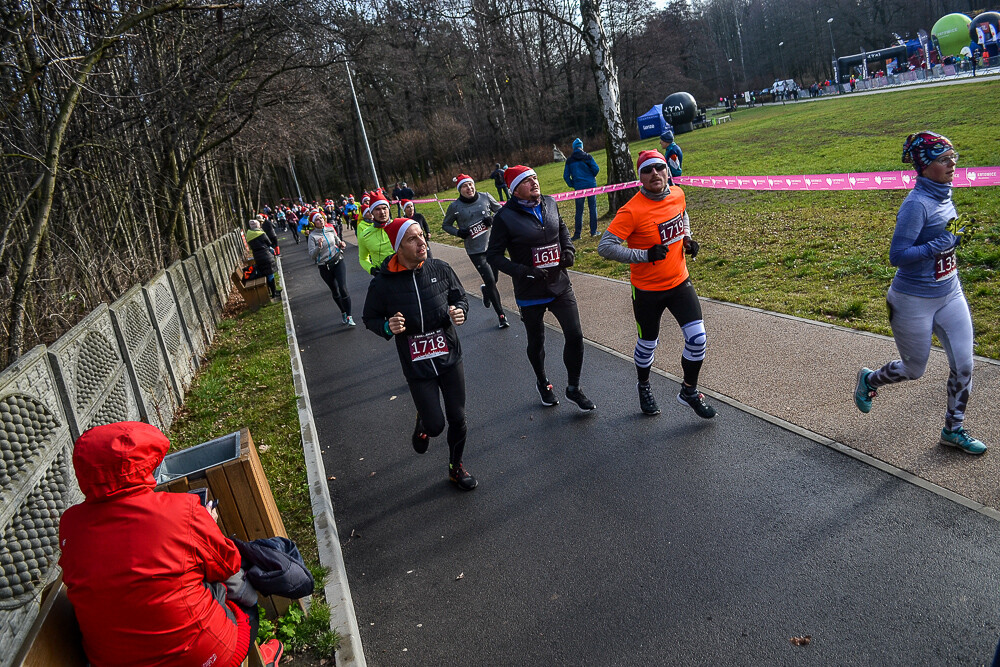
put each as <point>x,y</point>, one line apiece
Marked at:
<point>463,214</point>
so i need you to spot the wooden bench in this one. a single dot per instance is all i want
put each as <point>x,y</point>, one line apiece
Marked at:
<point>254,292</point>
<point>55,640</point>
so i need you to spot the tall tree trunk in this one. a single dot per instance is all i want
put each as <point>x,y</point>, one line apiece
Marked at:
<point>620,167</point>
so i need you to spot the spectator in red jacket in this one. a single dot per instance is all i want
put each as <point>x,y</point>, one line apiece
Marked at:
<point>148,573</point>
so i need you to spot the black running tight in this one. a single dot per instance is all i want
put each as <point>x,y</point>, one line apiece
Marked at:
<point>565,310</point>
<point>490,276</point>
<point>336,279</point>
<point>427,395</point>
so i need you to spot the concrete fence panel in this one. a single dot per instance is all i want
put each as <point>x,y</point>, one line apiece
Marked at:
<point>163,311</point>
<point>152,379</point>
<point>201,295</point>
<point>194,328</point>
<point>36,486</point>
<point>91,375</point>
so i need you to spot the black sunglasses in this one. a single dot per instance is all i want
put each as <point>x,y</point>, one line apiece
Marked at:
<point>659,166</point>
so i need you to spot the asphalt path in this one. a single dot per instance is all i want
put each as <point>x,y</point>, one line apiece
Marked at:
<point>616,539</point>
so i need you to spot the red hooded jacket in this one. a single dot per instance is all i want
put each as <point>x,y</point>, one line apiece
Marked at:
<point>135,562</point>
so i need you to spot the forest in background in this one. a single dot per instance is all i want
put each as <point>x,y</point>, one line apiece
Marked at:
<point>133,132</point>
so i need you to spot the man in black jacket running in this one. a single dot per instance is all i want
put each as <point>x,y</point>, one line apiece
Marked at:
<point>529,229</point>
<point>420,301</point>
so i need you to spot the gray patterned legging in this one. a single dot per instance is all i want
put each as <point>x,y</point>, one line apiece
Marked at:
<point>913,320</point>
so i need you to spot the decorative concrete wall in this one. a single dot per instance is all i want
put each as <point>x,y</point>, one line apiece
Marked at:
<point>36,486</point>
<point>170,329</point>
<point>152,381</point>
<point>91,375</point>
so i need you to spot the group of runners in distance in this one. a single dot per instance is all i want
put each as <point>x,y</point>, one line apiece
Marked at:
<point>418,301</point>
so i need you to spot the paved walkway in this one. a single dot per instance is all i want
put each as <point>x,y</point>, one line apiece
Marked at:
<point>804,372</point>
<point>616,539</point>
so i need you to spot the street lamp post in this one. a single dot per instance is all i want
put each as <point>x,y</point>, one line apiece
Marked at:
<point>781,55</point>
<point>836,76</point>
<point>731,75</point>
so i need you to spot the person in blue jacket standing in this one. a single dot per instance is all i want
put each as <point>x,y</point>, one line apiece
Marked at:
<point>673,152</point>
<point>580,173</point>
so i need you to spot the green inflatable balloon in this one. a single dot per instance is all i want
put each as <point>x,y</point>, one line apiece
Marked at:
<point>952,33</point>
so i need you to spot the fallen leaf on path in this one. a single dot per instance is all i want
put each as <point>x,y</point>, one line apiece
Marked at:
<point>393,398</point>
<point>331,477</point>
<point>801,641</point>
<point>461,575</point>
<point>373,474</point>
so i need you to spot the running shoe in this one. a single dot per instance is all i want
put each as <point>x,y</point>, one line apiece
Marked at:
<point>486,296</point>
<point>461,477</point>
<point>271,651</point>
<point>863,392</point>
<point>961,439</point>
<point>548,396</point>
<point>647,403</point>
<point>420,438</point>
<point>343,317</point>
<point>350,321</point>
<point>696,400</point>
<point>582,402</point>
<point>503,322</point>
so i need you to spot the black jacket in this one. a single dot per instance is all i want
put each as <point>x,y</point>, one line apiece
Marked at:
<point>517,232</point>
<point>263,252</point>
<point>422,296</point>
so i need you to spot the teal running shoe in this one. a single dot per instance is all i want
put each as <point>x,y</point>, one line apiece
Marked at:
<point>961,439</point>
<point>863,394</point>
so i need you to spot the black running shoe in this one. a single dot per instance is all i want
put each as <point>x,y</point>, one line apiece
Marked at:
<point>420,437</point>
<point>503,322</point>
<point>647,403</point>
<point>582,402</point>
<point>461,477</point>
<point>548,396</point>
<point>697,402</point>
<point>486,296</point>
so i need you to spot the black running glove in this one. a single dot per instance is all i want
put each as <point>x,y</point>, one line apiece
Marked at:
<point>691,246</point>
<point>488,221</point>
<point>656,253</point>
<point>567,260</point>
<point>374,270</point>
<point>464,233</point>
<point>536,273</point>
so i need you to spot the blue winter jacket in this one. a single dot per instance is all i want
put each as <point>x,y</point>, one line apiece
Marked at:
<point>581,170</point>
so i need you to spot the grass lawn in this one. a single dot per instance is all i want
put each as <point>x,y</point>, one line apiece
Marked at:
<point>819,255</point>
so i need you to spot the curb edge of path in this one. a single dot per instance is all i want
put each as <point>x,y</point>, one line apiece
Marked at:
<point>336,587</point>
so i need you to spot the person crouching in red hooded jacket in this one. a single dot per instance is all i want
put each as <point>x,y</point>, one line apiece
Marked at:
<point>146,572</point>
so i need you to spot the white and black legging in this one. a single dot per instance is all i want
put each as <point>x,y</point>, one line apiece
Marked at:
<point>335,277</point>
<point>682,302</point>
<point>490,276</point>
<point>913,320</point>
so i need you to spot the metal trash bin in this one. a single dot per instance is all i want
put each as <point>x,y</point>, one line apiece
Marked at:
<point>230,469</point>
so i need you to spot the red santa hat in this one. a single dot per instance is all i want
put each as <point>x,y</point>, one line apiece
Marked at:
<point>648,158</point>
<point>378,199</point>
<point>403,203</point>
<point>397,228</point>
<point>461,180</point>
<point>514,175</point>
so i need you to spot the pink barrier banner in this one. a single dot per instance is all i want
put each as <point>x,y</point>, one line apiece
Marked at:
<point>965,177</point>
